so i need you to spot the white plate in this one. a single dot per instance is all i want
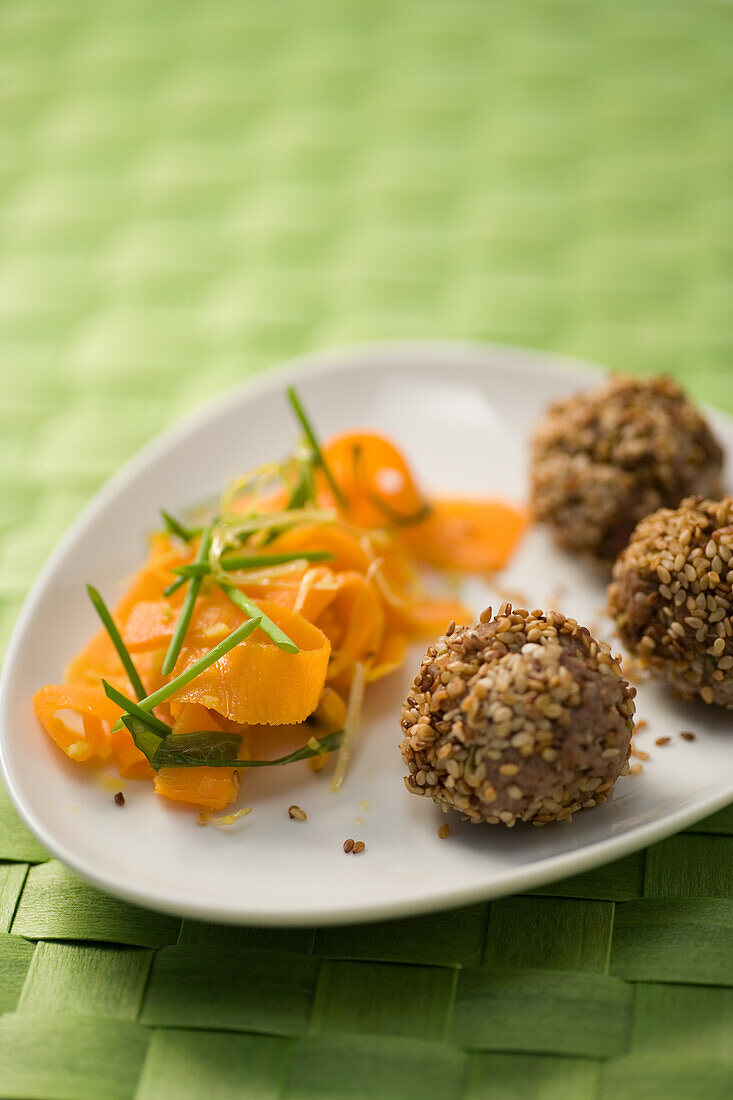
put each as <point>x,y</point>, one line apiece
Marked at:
<point>462,415</point>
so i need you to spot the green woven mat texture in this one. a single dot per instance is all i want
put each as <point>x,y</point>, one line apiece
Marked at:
<point>190,191</point>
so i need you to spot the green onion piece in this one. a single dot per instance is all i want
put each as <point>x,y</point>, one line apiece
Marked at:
<point>271,629</point>
<point>175,527</point>
<point>122,651</point>
<point>210,748</point>
<point>145,706</point>
<point>314,444</point>
<point>251,561</point>
<point>184,617</point>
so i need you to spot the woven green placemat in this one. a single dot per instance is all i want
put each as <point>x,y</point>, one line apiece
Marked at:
<point>190,191</point>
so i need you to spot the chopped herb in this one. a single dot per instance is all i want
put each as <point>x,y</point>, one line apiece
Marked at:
<point>209,748</point>
<point>122,651</point>
<point>314,444</point>
<point>184,617</point>
<point>145,706</point>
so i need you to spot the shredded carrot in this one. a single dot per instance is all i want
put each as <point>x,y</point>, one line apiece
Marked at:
<point>352,616</point>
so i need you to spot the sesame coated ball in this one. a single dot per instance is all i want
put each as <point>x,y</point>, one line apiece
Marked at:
<point>672,597</point>
<point>522,717</point>
<point>604,458</point>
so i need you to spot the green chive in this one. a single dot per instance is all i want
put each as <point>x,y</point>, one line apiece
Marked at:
<point>210,748</point>
<point>314,444</point>
<point>184,617</point>
<point>175,585</point>
<point>304,490</point>
<point>145,706</point>
<point>122,651</point>
<point>251,561</point>
<point>175,527</point>
<point>278,636</point>
<point>134,708</point>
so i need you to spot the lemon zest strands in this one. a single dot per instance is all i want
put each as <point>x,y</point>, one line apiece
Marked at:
<point>351,724</point>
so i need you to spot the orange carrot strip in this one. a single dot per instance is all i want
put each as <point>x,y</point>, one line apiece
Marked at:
<point>473,536</point>
<point>374,478</point>
<point>431,616</point>
<point>212,788</point>
<point>77,719</point>
<point>342,544</point>
<point>391,656</point>
<point>357,620</point>
<point>131,763</point>
<point>256,682</point>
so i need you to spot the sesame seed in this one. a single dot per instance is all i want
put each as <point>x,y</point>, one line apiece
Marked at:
<point>359,847</point>
<point>687,735</point>
<point>119,799</point>
<point>296,813</point>
<point>444,832</point>
<point>349,845</point>
<point>662,740</point>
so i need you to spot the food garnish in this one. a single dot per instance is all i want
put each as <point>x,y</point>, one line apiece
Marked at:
<point>250,635</point>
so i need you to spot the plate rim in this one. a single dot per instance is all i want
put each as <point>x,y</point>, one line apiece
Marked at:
<point>514,880</point>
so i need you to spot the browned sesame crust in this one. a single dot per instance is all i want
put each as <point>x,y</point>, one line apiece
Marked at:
<point>672,597</point>
<point>521,717</point>
<point>603,459</point>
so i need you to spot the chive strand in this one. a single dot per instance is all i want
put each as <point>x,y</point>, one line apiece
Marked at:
<point>315,446</point>
<point>174,527</point>
<point>146,705</point>
<point>138,709</point>
<point>116,638</point>
<point>271,629</point>
<point>175,585</point>
<point>251,561</point>
<point>184,617</point>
